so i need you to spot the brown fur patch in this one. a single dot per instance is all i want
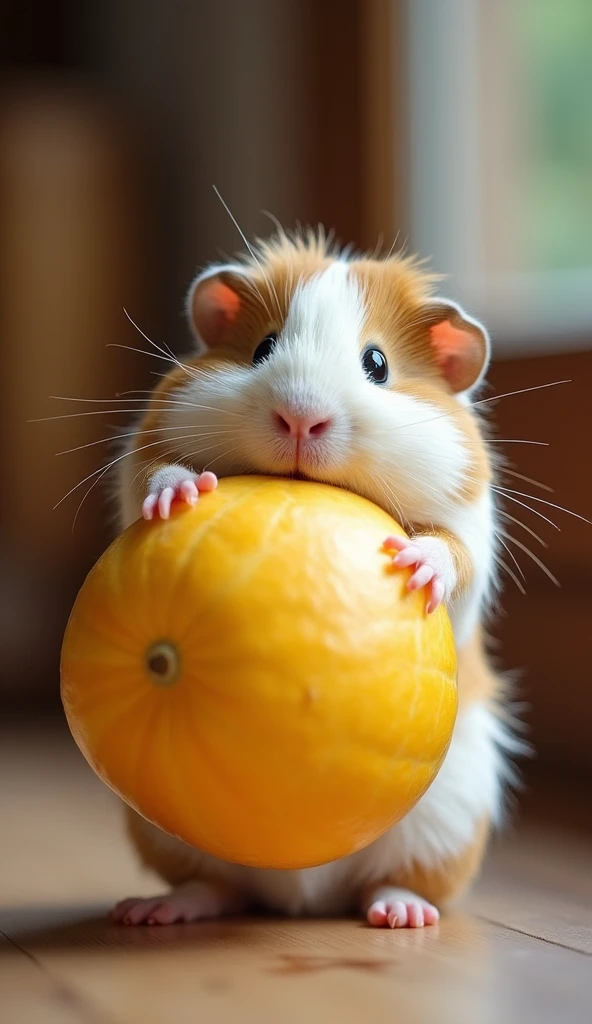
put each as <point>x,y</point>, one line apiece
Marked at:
<point>477,680</point>
<point>279,266</point>
<point>147,461</point>
<point>450,879</point>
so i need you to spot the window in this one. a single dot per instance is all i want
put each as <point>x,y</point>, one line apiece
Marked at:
<point>500,122</point>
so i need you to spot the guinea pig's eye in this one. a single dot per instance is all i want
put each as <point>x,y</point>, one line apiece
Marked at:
<point>264,348</point>
<point>375,364</point>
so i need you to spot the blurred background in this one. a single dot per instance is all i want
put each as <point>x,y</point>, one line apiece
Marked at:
<point>462,128</point>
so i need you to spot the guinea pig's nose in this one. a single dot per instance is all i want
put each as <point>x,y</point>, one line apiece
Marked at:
<point>300,426</point>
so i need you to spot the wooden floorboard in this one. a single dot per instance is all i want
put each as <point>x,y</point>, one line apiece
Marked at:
<point>519,949</point>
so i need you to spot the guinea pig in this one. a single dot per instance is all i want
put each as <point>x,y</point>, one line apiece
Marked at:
<point>320,365</point>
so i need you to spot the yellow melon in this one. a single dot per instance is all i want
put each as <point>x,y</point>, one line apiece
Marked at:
<point>253,676</point>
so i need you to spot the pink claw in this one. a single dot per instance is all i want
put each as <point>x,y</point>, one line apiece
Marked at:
<point>407,556</point>
<point>397,916</point>
<point>420,578</point>
<point>188,491</point>
<point>437,595</point>
<point>149,505</point>
<point>165,501</point>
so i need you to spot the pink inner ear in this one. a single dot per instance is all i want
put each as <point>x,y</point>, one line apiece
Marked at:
<point>457,355</point>
<point>225,300</point>
<point>220,304</point>
<point>215,307</point>
<point>448,340</point>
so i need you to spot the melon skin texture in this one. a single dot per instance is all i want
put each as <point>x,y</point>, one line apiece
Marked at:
<point>253,676</point>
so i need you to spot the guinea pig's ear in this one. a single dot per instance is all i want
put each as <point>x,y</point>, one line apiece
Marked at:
<point>460,344</point>
<point>213,303</point>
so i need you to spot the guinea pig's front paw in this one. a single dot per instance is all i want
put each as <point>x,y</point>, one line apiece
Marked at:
<point>175,483</point>
<point>433,564</point>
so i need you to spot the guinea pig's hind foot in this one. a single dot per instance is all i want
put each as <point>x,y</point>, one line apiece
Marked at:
<point>387,907</point>
<point>192,901</point>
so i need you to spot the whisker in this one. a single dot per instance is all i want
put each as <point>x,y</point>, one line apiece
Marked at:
<point>511,574</point>
<point>156,400</point>
<point>222,456</point>
<point>86,494</point>
<point>534,557</point>
<point>484,401</point>
<point>535,511</point>
<point>145,465</point>
<point>114,462</point>
<point>251,251</point>
<point>201,451</point>
<point>168,407</point>
<point>138,433</point>
<point>94,412</point>
<point>152,355</point>
<point>499,535</point>
<point>124,395</point>
<point>508,440</point>
<point>102,401</point>
<point>506,515</point>
<point>543,501</point>
<point>389,496</point>
<point>150,461</point>
<point>527,479</point>
<point>166,352</point>
<point>467,440</point>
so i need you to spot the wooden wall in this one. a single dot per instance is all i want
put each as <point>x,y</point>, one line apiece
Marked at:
<point>547,634</point>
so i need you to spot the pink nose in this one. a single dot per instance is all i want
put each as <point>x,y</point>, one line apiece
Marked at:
<point>300,426</point>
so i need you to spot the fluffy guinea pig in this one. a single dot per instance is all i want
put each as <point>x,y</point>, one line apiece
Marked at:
<point>349,371</point>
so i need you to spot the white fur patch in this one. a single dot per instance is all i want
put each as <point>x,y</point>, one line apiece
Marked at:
<point>169,476</point>
<point>326,314</point>
<point>474,526</point>
<point>317,355</point>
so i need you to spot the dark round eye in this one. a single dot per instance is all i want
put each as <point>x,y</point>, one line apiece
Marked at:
<point>375,364</point>
<point>264,348</point>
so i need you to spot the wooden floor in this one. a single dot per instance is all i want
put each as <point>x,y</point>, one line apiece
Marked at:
<point>520,949</point>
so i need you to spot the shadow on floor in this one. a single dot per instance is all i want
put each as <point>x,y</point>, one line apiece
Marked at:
<point>72,926</point>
